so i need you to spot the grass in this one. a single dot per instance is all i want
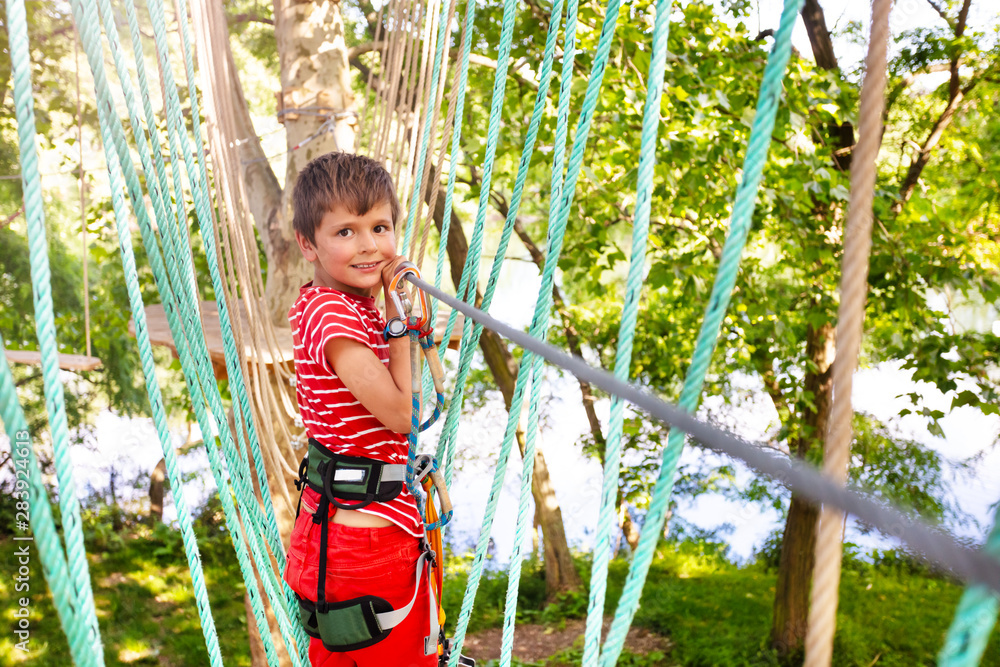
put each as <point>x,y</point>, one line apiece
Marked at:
<point>714,612</point>
<point>144,600</point>
<point>720,614</point>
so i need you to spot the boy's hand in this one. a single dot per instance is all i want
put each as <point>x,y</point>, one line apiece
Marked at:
<point>388,272</point>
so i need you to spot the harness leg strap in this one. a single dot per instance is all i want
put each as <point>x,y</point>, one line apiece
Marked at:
<point>390,619</point>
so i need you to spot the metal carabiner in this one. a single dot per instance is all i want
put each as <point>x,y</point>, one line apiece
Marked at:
<point>414,310</point>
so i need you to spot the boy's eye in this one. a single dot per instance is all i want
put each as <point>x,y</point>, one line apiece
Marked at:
<point>344,232</point>
<point>382,228</point>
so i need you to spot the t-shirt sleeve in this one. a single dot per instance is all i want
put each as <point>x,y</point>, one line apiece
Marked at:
<point>329,316</point>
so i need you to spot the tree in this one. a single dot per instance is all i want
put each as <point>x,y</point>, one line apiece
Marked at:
<point>783,312</point>
<point>116,384</point>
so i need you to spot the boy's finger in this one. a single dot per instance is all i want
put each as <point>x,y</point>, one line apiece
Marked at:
<point>393,267</point>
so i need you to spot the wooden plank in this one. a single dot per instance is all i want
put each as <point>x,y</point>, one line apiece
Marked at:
<point>159,334</point>
<point>67,362</point>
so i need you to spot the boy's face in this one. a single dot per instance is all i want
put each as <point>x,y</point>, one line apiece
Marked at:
<point>350,250</point>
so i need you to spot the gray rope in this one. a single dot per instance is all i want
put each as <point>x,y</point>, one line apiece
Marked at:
<point>929,543</point>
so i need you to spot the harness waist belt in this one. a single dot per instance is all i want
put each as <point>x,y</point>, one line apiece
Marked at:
<point>350,477</point>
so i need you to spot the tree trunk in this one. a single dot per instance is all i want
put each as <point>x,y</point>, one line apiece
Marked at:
<point>798,546</point>
<point>791,595</point>
<point>316,79</point>
<point>560,575</point>
<point>156,485</point>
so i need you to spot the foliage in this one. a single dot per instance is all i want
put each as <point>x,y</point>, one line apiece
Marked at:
<point>892,468</point>
<point>713,612</point>
<point>144,598</point>
<point>939,243</point>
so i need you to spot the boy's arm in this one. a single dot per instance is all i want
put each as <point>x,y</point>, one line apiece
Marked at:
<point>384,392</point>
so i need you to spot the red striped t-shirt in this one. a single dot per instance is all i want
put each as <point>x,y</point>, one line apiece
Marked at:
<point>330,412</point>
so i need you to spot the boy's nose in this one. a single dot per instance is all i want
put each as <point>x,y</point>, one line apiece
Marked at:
<point>368,243</point>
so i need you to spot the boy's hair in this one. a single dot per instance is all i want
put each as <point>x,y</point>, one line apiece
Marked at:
<point>356,182</point>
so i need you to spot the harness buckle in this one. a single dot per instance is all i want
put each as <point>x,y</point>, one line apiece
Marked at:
<point>445,655</point>
<point>303,475</point>
<point>423,466</point>
<point>341,478</point>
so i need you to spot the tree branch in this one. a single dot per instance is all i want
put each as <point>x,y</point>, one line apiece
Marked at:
<point>953,84</point>
<point>249,17</point>
<point>26,379</point>
<point>819,35</point>
<point>924,154</point>
<point>822,48</point>
<point>12,217</point>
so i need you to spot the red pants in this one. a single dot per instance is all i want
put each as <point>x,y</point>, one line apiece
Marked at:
<point>363,561</point>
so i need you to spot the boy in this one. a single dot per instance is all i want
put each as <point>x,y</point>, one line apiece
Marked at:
<point>353,390</point>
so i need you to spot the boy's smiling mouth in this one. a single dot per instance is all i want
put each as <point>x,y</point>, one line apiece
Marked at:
<point>372,265</point>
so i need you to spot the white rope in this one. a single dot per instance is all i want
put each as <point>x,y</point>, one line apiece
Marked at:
<point>850,322</point>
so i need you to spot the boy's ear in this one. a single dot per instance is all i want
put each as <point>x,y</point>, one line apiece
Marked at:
<point>307,248</point>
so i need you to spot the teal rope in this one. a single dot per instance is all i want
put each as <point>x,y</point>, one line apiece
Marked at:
<point>445,444</point>
<point>514,574</point>
<point>540,322</point>
<point>199,188</point>
<point>241,407</point>
<point>171,246</point>
<point>534,375</point>
<point>626,334</point>
<point>152,386</point>
<point>562,115</point>
<point>743,207</point>
<point>266,525</point>
<point>85,629</point>
<point>113,135</point>
<point>418,183</point>
<point>180,214</point>
<point>470,333</point>
<point>43,526</point>
<point>975,617</point>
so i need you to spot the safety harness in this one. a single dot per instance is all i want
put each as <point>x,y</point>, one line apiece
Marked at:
<point>364,621</point>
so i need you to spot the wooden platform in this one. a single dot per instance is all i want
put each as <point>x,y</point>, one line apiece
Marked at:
<point>67,362</point>
<point>159,334</point>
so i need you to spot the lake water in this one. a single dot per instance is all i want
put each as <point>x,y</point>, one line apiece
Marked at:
<point>131,449</point>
